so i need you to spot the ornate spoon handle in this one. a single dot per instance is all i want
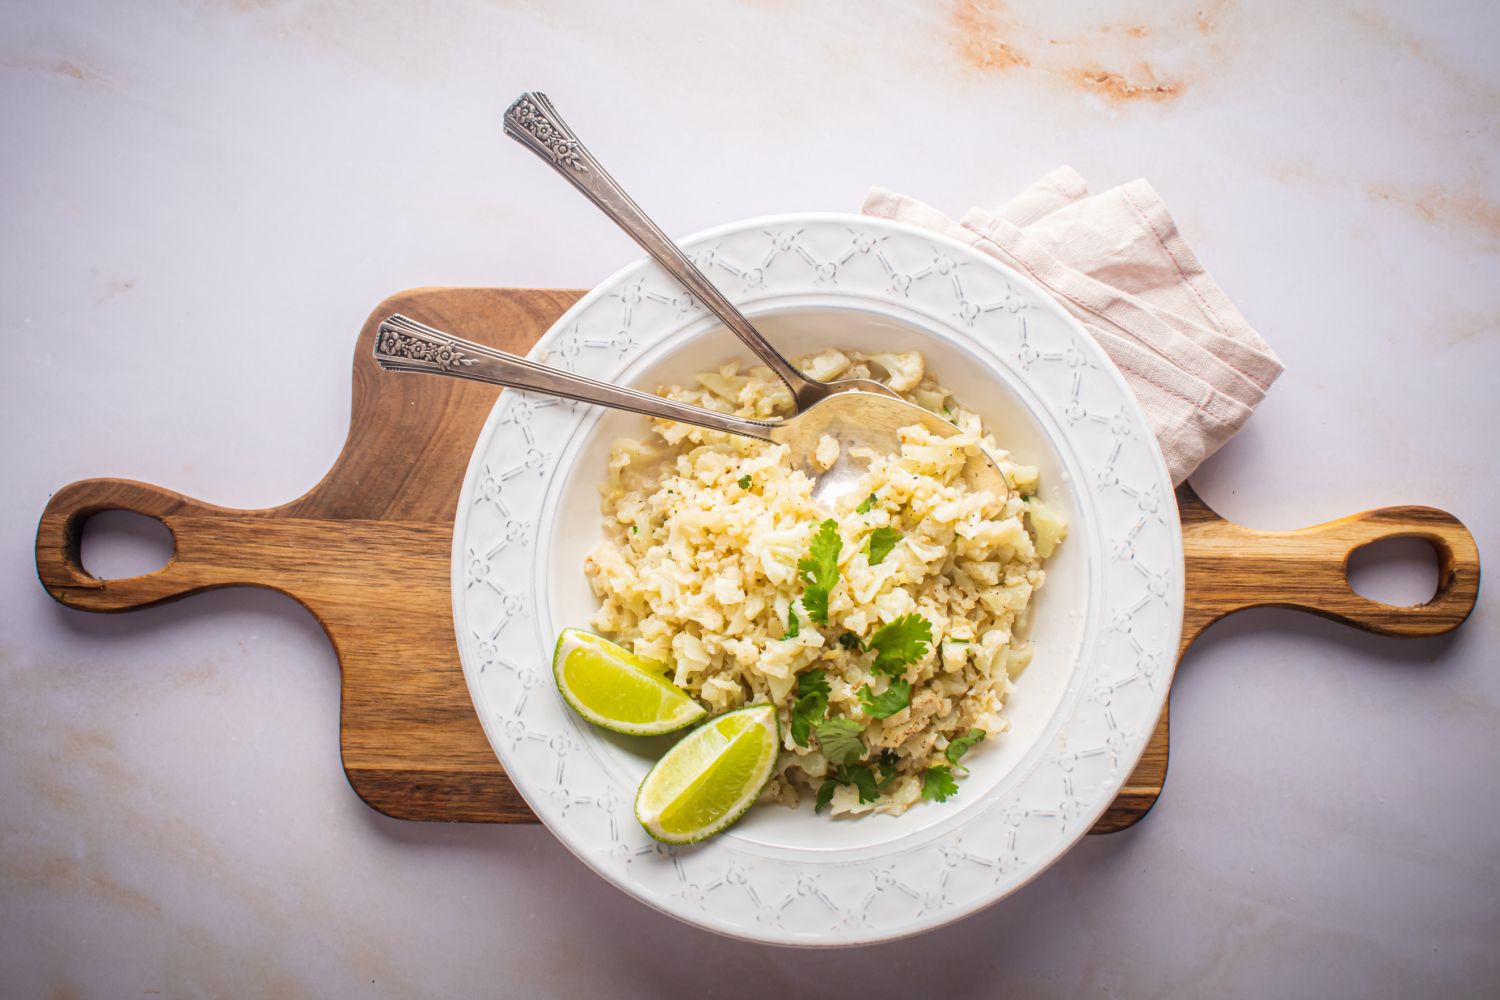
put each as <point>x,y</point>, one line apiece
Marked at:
<point>535,123</point>
<point>404,345</point>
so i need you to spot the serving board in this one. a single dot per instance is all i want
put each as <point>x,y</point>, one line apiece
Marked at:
<point>367,551</point>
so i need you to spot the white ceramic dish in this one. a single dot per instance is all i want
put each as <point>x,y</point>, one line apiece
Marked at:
<point>1106,625</point>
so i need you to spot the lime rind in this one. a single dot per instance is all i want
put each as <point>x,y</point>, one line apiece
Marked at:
<point>714,745</point>
<point>616,689</point>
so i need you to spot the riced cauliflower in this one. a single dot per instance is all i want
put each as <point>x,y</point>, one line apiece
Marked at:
<point>885,629</point>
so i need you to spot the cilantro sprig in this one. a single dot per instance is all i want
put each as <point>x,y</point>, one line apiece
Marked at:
<point>793,623</point>
<point>811,705</point>
<point>839,740</point>
<point>819,570</point>
<point>867,504</point>
<point>882,541</point>
<point>858,775</point>
<point>825,794</point>
<point>899,643</point>
<point>938,784</point>
<point>863,776</point>
<point>961,745</point>
<point>813,682</point>
<point>888,703</point>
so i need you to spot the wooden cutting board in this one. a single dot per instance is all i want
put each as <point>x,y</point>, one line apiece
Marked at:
<point>367,552</point>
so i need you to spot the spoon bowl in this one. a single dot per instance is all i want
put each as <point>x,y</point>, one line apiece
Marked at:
<point>864,420</point>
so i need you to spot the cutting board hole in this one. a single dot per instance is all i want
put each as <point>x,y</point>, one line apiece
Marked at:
<point>1397,571</point>
<point>115,544</point>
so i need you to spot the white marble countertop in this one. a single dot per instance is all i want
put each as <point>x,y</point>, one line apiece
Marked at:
<point>202,201</point>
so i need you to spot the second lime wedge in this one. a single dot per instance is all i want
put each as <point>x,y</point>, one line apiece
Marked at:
<point>610,686</point>
<point>710,777</point>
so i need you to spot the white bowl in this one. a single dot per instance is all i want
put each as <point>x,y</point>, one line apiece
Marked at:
<point>1105,625</point>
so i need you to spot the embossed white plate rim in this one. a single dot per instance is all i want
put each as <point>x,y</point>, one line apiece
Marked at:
<point>923,921</point>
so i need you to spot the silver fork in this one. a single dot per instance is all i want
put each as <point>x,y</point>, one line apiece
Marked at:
<point>535,123</point>
<point>855,419</point>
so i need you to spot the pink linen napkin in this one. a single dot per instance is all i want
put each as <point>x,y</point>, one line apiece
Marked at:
<point>1117,262</point>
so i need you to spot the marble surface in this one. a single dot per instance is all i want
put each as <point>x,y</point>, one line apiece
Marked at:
<point>202,201</point>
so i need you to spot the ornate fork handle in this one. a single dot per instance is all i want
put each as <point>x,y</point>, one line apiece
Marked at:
<point>535,123</point>
<point>404,345</point>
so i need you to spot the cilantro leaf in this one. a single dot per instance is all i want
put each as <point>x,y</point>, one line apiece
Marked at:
<point>861,777</point>
<point>807,712</point>
<point>839,740</point>
<point>815,600</point>
<point>938,784</point>
<point>793,626</point>
<point>744,482</point>
<point>858,775</point>
<point>812,682</point>
<point>850,641</point>
<point>882,540</point>
<point>825,794</point>
<point>811,704</point>
<point>960,746</point>
<point>866,504</point>
<point>900,642</point>
<point>819,569</point>
<point>883,706</point>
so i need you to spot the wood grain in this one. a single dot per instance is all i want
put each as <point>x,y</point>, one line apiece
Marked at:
<point>367,552</point>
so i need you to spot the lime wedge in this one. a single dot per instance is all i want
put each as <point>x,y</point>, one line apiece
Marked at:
<point>612,687</point>
<point>710,777</point>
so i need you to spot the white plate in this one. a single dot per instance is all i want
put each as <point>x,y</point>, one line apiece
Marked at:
<point>1106,624</point>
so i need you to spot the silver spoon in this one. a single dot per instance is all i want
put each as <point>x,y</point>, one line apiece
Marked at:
<point>854,419</point>
<point>535,123</point>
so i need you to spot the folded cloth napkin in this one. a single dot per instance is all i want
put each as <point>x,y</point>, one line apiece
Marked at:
<point>1117,262</point>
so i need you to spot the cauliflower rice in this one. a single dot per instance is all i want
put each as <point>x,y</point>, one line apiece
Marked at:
<point>699,569</point>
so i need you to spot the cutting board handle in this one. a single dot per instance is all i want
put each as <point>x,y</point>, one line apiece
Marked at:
<point>203,546</point>
<point>1231,568</point>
